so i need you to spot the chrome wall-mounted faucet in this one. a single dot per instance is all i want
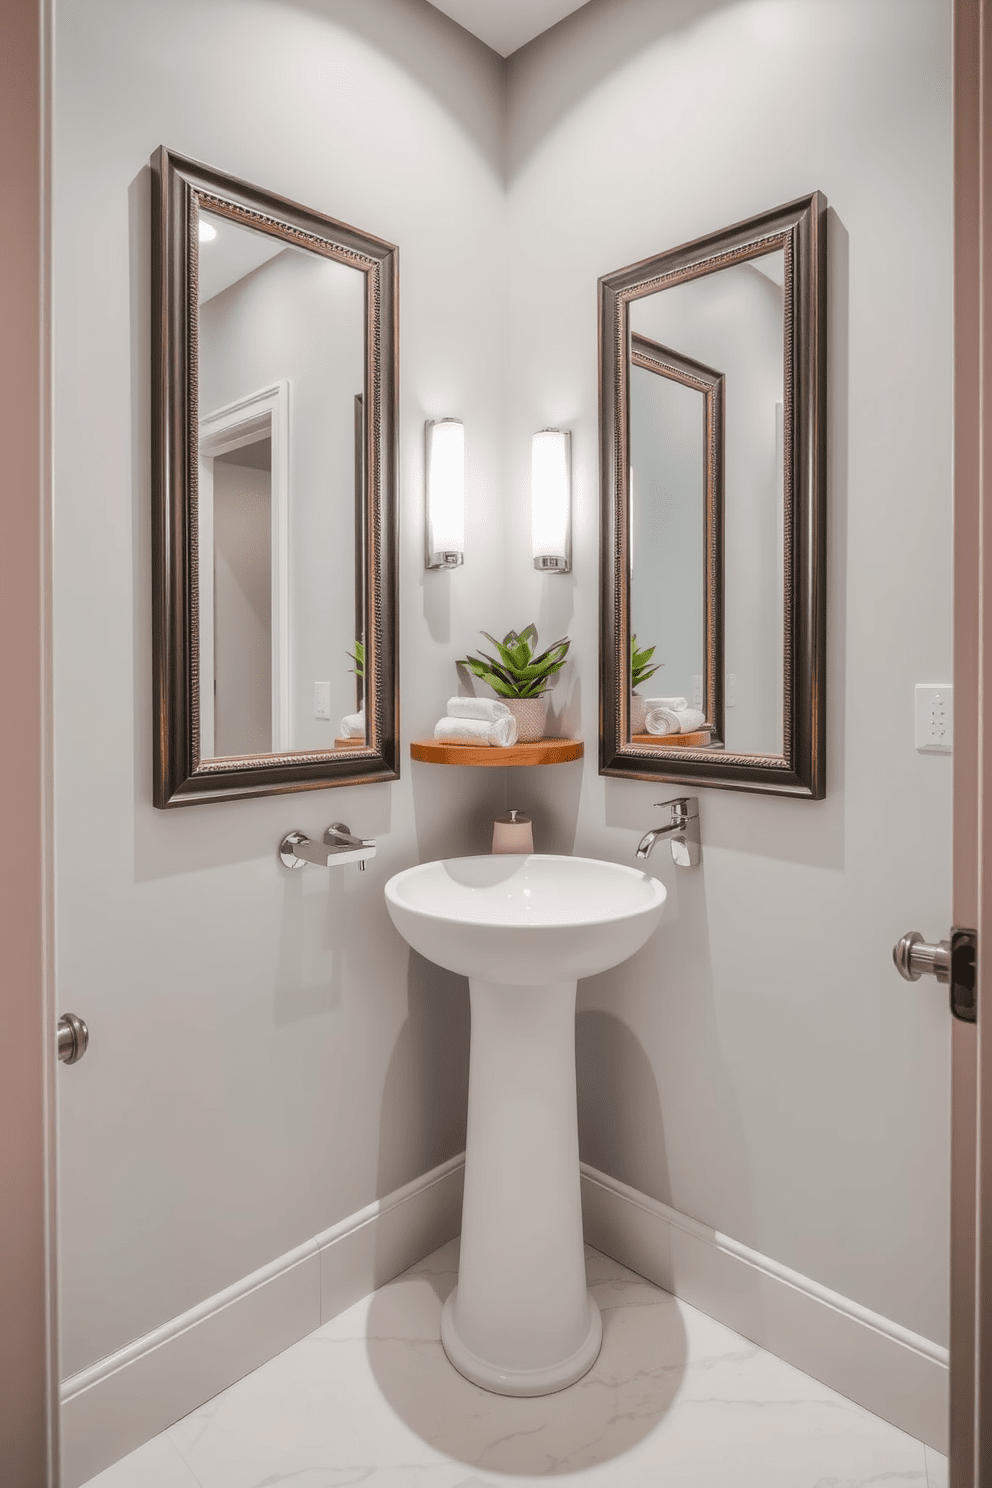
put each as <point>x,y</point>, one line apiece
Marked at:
<point>682,830</point>
<point>296,850</point>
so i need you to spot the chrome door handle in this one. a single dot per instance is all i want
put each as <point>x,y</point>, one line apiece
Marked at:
<point>954,961</point>
<point>914,958</point>
<point>74,1038</point>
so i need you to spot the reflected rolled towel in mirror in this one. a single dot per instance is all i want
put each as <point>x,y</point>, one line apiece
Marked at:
<point>500,731</point>
<point>663,718</point>
<point>485,710</point>
<point>352,726</point>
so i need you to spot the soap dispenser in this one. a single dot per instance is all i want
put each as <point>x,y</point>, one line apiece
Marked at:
<point>513,833</point>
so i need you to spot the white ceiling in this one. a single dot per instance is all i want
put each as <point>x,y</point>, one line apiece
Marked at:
<point>506,25</point>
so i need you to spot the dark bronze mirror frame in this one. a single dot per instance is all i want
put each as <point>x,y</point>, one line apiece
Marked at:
<point>799,230</point>
<point>182,778</point>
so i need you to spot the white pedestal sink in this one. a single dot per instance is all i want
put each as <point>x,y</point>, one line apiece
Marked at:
<point>523,929</point>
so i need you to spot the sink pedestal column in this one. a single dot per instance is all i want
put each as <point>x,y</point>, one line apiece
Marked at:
<point>521,1321</point>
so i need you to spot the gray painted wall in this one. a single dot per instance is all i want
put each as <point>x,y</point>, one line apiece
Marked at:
<point>760,1065</point>
<point>266,1055</point>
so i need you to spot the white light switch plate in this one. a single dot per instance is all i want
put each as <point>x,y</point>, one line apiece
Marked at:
<point>322,700</point>
<point>697,690</point>
<point>730,695</point>
<point>934,718</point>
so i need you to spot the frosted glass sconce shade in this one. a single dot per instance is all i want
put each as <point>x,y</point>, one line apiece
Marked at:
<point>551,500</point>
<point>445,493</point>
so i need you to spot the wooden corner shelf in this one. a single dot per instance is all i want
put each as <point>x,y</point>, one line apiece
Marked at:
<point>541,752</point>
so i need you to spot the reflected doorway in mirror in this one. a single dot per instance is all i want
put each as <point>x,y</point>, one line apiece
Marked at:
<point>243,574</point>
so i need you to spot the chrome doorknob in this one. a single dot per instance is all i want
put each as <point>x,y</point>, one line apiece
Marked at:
<point>914,958</point>
<point>74,1038</point>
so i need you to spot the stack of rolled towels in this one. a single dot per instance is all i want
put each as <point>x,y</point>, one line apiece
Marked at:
<point>470,720</point>
<point>352,725</point>
<point>672,715</point>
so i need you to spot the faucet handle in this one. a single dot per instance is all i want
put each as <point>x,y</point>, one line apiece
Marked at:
<point>340,835</point>
<point>684,808</point>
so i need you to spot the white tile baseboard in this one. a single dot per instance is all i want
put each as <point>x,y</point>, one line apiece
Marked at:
<point>113,1406</point>
<point>897,1374</point>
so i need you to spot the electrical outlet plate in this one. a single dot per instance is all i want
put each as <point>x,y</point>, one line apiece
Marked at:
<point>934,718</point>
<point>322,700</point>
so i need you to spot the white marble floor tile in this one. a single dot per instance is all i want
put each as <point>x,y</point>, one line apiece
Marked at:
<point>156,1464</point>
<point>936,1469</point>
<point>674,1398</point>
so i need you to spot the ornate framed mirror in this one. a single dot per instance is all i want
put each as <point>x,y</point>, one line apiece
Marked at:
<point>275,524</point>
<point>713,452</point>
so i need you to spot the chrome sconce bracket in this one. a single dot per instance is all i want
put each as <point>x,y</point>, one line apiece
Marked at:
<point>297,850</point>
<point>444,560</point>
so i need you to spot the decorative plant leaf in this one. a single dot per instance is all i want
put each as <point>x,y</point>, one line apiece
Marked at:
<point>518,672</point>
<point>358,657</point>
<point>640,671</point>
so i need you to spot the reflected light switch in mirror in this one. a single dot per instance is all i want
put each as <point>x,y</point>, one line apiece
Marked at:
<point>322,700</point>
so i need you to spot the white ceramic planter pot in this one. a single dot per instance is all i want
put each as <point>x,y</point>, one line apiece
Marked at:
<point>531,715</point>
<point>638,713</point>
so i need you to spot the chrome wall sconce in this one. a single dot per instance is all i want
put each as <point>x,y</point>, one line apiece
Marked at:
<point>445,486</point>
<point>551,500</point>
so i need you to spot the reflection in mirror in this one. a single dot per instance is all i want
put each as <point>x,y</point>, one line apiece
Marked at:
<point>712,381</point>
<point>280,363</point>
<point>275,618</point>
<point>676,500</point>
<point>732,318</point>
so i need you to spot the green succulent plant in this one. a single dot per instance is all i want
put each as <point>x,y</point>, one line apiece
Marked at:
<point>358,657</point>
<point>640,671</point>
<point>518,672</point>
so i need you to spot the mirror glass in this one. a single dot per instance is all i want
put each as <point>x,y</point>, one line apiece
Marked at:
<point>280,378</point>
<point>724,329</point>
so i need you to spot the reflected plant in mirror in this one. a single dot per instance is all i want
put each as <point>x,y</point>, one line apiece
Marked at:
<point>275,501</point>
<point>712,432</point>
<point>640,671</point>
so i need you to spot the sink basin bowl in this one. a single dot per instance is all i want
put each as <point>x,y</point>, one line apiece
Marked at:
<point>525,920</point>
<point>523,929</point>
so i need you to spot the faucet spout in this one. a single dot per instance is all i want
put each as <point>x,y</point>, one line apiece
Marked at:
<point>648,841</point>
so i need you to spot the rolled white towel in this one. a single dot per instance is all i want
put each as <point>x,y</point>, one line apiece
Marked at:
<point>501,732</point>
<point>352,726</point>
<point>674,720</point>
<point>486,709</point>
<point>674,704</point>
